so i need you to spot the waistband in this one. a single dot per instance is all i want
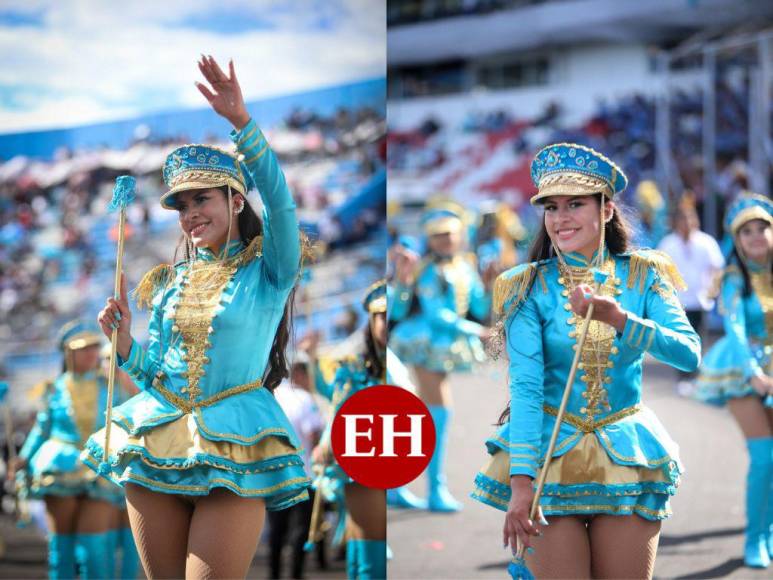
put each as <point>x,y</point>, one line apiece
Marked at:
<point>188,405</point>
<point>588,425</point>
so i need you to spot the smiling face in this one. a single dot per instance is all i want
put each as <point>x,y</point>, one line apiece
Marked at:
<point>572,222</point>
<point>755,240</point>
<point>203,215</point>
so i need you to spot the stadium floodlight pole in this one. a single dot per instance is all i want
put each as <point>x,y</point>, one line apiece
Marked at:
<point>764,55</point>
<point>123,195</point>
<point>663,125</point>
<point>710,140</point>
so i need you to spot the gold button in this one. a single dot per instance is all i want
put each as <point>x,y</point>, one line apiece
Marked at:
<point>584,394</point>
<point>210,330</point>
<point>583,410</point>
<point>564,292</point>
<point>175,328</point>
<point>184,390</point>
<point>614,350</point>
<point>567,306</point>
<point>581,365</point>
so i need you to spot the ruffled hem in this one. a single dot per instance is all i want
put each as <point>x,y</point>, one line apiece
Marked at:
<point>439,353</point>
<point>177,459</point>
<point>649,500</point>
<point>280,488</point>
<point>724,376</point>
<point>84,482</point>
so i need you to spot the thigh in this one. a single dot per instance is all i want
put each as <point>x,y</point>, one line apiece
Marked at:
<point>160,524</point>
<point>751,416</point>
<point>367,511</point>
<point>563,551</point>
<point>623,546</point>
<point>61,514</point>
<point>432,387</point>
<point>224,535</point>
<point>95,516</point>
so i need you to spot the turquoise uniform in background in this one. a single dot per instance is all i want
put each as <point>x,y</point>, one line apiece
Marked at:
<point>438,336</point>
<point>73,408</point>
<point>612,455</point>
<point>745,350</point>
<point>203,420</point>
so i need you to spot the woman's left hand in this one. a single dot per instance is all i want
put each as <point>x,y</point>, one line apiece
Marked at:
<point>225,96</point>
<point>605,308</point>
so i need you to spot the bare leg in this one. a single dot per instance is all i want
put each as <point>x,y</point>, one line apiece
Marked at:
<point>563,551</point>
<point>94,516</point>
<point>752,417</point>
<point>432,387</point>
<point>160,524</point>
<point>61,514</point>
<point>224,534</point>
<point>367,511</point>
<point>623,546</point>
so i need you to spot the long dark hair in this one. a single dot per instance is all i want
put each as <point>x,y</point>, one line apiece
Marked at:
<point>617,237</point>
<point>374,356</point>
<point>736,256</point>
<point>250,227</point>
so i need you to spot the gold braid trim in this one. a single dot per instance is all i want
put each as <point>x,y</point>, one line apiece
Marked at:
<point>151,282</point>
<point>187,406</point>
<point>643,261</point>
<point>512,287</point>
<point>589,425</point>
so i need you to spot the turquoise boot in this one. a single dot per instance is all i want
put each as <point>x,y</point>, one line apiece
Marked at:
<point>371,560</point>
<point>402,497</point>
<point>440,499</point>
<point>112,551</point>
<point>61,556</point>
<point>130,558</point>
<point>757,491</point>
<point>769,518</point>
<point>352,553</point>
<point>91,554</point>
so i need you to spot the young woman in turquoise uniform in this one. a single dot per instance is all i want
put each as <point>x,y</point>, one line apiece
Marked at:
<point>204,449</point>
<point>614,466</point>
<point>737,369</point>
<point>442,330</point>
<point>79,506</point>
<point>366,507</point>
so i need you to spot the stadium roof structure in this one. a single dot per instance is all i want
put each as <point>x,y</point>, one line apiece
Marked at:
<point>565,22</point>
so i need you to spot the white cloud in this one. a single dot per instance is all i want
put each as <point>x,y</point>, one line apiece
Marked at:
<point>96,61</point>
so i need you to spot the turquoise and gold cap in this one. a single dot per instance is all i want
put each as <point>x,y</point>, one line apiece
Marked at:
<point>78,334</point>
<point>746,207</point>
<point>571,169</point>
<point>376,298</point>
<point>197,166</point>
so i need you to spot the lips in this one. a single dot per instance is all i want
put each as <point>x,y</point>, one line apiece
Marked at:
<point>566,233</point>
<point>198,229</point>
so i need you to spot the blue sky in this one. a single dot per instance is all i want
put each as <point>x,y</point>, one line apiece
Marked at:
<point>67,62</point>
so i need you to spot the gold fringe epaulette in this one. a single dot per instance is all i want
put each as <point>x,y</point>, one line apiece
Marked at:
<point>39,390</point>
<point>643,261</point>
<point>156,278</point>
<point>511,287</point>
<point>253,250</point>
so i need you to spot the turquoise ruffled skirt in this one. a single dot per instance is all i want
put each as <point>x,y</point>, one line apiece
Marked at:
<point>243,443</point>
<point>722,375</point>
<point>628,467</point>
<point>416,343</point>
<point>55,469</point>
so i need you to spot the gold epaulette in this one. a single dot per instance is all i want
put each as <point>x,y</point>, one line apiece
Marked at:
<point>512,286</point>
<point>642,261</point>
<point>40,390</point>
<point>151,282</point>
<point>252,251</point>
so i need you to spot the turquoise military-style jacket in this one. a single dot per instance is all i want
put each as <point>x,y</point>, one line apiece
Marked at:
<point>606,396</point>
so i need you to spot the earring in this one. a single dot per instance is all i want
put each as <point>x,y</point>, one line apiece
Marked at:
<point>240,209</point>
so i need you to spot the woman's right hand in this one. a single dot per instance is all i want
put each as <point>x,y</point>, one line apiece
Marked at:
<point>116,314</point>
<point>517,522</point>
<point>17,464</point>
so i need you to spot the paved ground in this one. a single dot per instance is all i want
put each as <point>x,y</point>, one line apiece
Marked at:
<point>703,539</point>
